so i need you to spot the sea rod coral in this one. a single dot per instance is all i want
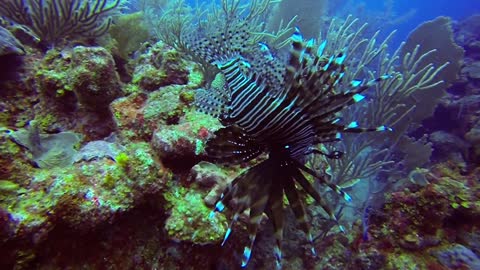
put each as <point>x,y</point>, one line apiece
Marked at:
<point>57,20</point>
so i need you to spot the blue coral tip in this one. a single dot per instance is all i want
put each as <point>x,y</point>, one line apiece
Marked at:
<point>211,215</point>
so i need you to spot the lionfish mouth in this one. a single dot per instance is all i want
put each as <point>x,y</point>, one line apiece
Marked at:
<point>279,107</point>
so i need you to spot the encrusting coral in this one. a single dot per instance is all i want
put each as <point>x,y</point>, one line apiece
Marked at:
<point>421,223</point>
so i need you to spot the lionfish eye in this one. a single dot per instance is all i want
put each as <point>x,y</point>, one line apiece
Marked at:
<point>335,155</point>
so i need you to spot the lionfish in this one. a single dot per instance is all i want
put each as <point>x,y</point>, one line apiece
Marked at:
<point>279,107</point>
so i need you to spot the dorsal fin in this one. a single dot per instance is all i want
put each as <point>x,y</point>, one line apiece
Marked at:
<point>269,67</point>
<point>310,76</point>
<point>222,46</point>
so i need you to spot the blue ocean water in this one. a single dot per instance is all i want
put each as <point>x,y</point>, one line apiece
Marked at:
<point>424,10</point>
<point>421,11</point>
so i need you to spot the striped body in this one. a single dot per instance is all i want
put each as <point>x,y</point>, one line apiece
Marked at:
<point>274,121</point>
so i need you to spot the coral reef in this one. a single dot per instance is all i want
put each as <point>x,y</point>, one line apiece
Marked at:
<point>162,65</point>
<point>107,178</point>
<point>84,74</point>
<point>139,115</point>
<point>419,227</point>
<point>79,82</point>
<point>81,196</point>
<point>93,77</point>
<point>189,218</point>
<point>464,95</point>
<point>103,160</point>
<point>210,176</point>
<point>182,144</point>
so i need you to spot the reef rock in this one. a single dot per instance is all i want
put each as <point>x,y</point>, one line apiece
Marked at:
<point>457,257</point>
<point>11,55</point>
<point>162,65</point>
<point>94,77</point>
<point>144,113</point>
<point>210,176</point>
<point>180,145</point>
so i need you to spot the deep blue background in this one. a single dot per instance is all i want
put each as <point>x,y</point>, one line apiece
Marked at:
<point>427,10</point>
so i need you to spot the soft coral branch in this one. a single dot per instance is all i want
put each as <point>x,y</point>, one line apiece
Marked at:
<point>57,20</point>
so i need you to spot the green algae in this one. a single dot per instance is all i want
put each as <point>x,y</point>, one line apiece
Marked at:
<point>8,147</point>
<point>131,89</point>
<point>122,159</point>
<point>52,74</point>
<point>195,77</point>
<point>82,194</point>
<point>163,104</point>
<point>45,120</point>
<point>187,97</point>
<point>189,217</point>
<point>8,186</point>
<point>142,162</point>
<point>403,261</point>
<point>150,77</point>
<point>193,131</point>
<point>198,120</point>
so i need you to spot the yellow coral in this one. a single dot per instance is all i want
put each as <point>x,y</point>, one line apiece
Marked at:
<point>122,160</point>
